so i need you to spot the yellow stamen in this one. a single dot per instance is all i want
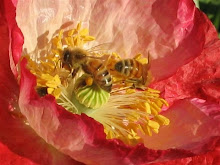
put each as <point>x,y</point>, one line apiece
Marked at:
<point>141,59</point>
<point>56,93</point>
<point>71,32</point>
<point>153,124</point>
<point>129,91</point>
<point>89,38</point>
<point>50,90</point>
<point>78,27</point>
<point>84,32</point>
<point>147,107</point>
<point>130,113</point>
<point>52,82</point>
<point>133,135</point>
<point>148,131</point>
<point>162,120</point>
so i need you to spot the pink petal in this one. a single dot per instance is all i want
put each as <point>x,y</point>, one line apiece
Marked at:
<point>200,78</point>
<point>172,31</point>
<point>194,126</point>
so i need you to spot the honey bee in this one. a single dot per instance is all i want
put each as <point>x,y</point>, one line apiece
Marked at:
<point>133,70</point>
<point>78,58</point>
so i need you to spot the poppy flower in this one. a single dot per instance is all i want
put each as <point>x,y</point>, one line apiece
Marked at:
<point>184,66</point>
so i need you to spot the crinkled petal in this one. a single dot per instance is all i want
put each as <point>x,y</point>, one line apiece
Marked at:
<point>194,126</point>
<point>196,31</point>
<point>199,78</point>
<point>19,144</point>
<point>171,31</point>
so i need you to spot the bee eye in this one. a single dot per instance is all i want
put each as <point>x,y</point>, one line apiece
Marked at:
<point>66,56</point>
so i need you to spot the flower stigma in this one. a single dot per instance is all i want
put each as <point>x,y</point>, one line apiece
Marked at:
<point>99,83</point>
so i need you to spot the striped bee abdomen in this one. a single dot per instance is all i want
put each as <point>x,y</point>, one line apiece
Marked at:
<point>103,78</point>
<point>129,68</point>
<point>100,74</point>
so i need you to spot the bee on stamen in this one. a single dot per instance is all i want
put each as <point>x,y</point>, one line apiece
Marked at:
<point>77,59</point>
<point>133,71</point>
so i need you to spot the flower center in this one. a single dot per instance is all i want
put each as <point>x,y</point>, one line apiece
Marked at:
<point>99,83</point>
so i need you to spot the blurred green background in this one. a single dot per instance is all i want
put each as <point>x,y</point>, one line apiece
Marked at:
<point>212,10</point>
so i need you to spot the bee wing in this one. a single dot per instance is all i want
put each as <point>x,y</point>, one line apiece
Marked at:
<point>104,49</point>
<point>146,68</point>
<point>100,47</point>
<point>103,58</point>
<point>94,57</point>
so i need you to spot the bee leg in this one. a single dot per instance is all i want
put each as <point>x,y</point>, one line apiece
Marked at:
<point>84,81</point>
<point>66,66</point>
<point>107,88</point>
<point>89,81</point>
<point>134,86</point>
<point>74,72</point>
<point>136,83</point>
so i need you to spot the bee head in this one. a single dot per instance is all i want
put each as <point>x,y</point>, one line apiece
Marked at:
<point>78,56</point>
<point>74,57</point>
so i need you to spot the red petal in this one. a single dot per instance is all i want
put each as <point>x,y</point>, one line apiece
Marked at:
<point>15,36</point>
<point>191,24</point>
<point>200,78</point>
<point>210,158</point>
<point>19,144</point>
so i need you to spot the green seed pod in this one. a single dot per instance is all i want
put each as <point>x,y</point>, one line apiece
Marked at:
<point>90,96</point>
